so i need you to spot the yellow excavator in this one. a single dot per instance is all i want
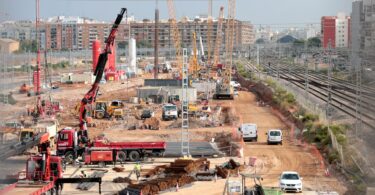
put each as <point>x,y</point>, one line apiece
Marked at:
<point>109,109</point>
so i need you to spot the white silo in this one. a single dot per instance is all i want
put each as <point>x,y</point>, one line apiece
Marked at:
<point>132,55</point>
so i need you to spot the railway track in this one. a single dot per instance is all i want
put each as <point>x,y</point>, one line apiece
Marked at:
<point>343,97</point>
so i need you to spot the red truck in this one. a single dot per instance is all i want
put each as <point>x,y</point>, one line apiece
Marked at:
<point>101,150</point>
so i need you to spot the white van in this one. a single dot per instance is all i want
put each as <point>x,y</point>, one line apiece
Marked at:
<point>274,136</point>
<point>249,132</point>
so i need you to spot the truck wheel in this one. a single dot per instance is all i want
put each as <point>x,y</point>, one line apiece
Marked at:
<point>121,156</point>
<point>69,157</point>
<point>134,156</point>
<point>100,115</point>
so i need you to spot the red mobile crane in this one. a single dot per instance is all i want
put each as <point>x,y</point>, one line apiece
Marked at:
<point>72,143</point>
<point>44,172</point>
<point>90,96</point>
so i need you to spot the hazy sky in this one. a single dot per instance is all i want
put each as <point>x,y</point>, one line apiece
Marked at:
<point>256,11</point>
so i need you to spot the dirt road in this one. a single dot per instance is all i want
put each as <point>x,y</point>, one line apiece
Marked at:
<point>273,159</point>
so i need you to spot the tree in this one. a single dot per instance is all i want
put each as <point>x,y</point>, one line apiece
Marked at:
<point>314,42</point>
<point>299,43</point>
<point>27,45</point>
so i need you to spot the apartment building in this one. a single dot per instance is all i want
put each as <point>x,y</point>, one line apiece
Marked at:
<point>336,31</point>
<point>77,33</point>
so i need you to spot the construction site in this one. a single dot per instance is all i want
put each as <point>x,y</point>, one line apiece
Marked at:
<point>214,117</point>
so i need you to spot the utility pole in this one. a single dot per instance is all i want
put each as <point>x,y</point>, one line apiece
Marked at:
<point>358,114</point>
<point>156,45</point>
<point>329,87</point>
<point>185,137</point>
<point>258,60</point>
<point>306,77</point>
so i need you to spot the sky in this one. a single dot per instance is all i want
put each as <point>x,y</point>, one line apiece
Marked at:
<point>274,12</point>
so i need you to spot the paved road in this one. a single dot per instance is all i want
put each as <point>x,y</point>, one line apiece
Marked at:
<point>196,149</point>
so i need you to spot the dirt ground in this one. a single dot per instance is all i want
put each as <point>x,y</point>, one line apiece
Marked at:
<point>271,160</point>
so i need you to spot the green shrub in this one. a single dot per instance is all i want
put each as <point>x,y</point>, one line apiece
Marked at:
<point>333,156</point>
<point>308,117</point>
<point>290,98</point>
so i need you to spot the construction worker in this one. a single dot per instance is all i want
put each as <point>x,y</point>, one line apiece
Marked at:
<point>83,174</point>
<point>137,170</point>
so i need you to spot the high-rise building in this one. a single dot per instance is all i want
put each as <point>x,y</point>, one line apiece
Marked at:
<point>356,28</point>
<point>336,31</point>
<point>363,33</point>
<point>368,33</point>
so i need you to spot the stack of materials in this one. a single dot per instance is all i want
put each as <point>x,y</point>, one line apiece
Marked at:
<point>179,173</point>
<point>229,168</point>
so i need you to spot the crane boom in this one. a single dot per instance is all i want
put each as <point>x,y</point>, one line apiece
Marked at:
<point>223,88</point>
<point>90,96</point>
<point>195,64</point>
<point>176,35</point>
<point>229,44</point>
<point>209,30</point>
<point>218,37</point>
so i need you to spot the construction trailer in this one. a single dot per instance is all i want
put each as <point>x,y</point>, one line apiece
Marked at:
<point>161,94</point>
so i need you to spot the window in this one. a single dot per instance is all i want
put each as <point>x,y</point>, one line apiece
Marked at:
<point>63,136</point>
<point>275,133</point>
<point>290,176</point>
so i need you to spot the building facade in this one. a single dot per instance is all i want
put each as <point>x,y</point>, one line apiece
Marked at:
<point>368,33</point>
<point>78,33</point>
<point>9,46</point>
<point>363,33</point>
<point>335,31</point>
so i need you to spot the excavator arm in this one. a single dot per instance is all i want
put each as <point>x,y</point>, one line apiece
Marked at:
<point>90,96</point>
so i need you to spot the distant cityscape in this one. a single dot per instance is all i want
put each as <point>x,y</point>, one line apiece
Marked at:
<point>77,33</point>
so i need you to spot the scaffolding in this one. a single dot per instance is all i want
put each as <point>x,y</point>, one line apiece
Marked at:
<point>185,140</point>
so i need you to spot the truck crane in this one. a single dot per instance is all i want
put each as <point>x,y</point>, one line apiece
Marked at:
<point>90,96</point>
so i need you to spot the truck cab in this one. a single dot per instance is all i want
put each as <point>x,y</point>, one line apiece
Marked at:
<point>67,143</point>
<point>249,132</point>
<point>35,166</point>
<point>169,112</point>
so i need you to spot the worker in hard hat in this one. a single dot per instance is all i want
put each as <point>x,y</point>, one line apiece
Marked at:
<point>137,170</point>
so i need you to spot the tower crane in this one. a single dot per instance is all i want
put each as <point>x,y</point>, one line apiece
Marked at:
<point>176,35</point>
<point>223,87</point>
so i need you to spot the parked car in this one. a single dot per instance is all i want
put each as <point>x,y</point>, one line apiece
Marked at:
<point>274,136</point>
<point>249,132</point>
<point>235,92</point>
<point>290,181</point>
<point>147,114</point>
<point>235,84</point>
